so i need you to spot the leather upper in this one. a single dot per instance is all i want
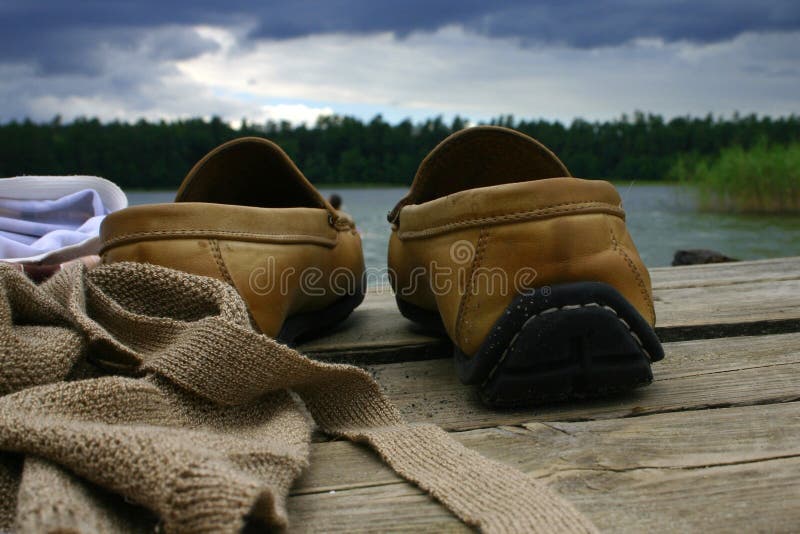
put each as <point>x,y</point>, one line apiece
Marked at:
<point>522,222</point>
<point>246,215</point>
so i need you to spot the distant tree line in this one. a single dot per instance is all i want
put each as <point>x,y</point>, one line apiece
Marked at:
<point>338,150</point>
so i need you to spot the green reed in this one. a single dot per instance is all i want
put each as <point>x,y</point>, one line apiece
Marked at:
<point>762,179</point>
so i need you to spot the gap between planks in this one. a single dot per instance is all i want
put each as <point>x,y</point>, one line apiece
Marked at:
<point>548,450</point>
<point>747,298</point>
<point>728,469</point>
<point>732,498</point>
<point>693,375</point>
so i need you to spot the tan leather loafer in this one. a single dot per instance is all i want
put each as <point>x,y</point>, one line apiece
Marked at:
<point>246,215</point>
<point>530,271</point>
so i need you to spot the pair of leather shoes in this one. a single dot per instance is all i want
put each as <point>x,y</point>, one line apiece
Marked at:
<point>529,271</point>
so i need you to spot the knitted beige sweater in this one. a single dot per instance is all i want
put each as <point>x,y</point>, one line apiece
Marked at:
<point>137,396</point>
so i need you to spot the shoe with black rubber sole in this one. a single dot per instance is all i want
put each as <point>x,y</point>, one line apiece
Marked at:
<point>559,342</point>
<point>313,324</point>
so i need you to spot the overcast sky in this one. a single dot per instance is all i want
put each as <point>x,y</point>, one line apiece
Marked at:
<point>296,59</point>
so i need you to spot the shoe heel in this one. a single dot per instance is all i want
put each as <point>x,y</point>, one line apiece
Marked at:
<point>566,341</point>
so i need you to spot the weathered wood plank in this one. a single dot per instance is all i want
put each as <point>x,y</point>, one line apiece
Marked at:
<point>749,497</point>
<point>735,309</point>
<point>698,302</point>
<point>693,375</point>
<point>718,274</point>
<point>657,458</point>
<point>690,468</point>
<point>392,508</point>
<point>678,440</point>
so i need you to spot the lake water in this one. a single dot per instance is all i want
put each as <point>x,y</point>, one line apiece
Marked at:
<point>661,219</point>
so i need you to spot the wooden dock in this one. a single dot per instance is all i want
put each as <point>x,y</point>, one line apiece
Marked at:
<point>712,445</point>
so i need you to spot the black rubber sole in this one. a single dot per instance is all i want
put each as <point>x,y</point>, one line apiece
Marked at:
<point>304,326</point>
<point>565,341</point>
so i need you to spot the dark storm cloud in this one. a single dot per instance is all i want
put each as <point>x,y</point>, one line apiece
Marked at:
<point>589,24</point>
<point>74,37</point>
<point>578,23</point>
<point>71,37</point>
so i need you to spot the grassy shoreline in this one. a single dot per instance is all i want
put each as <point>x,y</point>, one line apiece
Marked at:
<point>762,179</point>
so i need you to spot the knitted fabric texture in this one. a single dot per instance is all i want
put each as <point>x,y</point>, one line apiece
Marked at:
<point>136,396</point>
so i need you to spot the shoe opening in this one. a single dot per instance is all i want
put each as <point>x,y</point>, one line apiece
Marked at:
<point>249,171</point>
<point>479,157</point>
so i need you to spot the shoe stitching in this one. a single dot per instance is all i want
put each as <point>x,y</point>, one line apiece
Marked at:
<point>223,269</point>
<point>547,211</point>
<point>566,307</point>
<point>165,234</point>
<point>226,275</point>
<point>632,266</point>
<point>476,262</point>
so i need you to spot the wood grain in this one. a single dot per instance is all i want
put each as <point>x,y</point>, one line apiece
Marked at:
<point>727,469</point>
<point>717,274</point>
<point>712,445</point>
<point>748,497</point>
<point>693,375</point>
<point>677,440</point>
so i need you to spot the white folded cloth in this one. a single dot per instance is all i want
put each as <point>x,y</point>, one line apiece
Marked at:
<point>53,219</point>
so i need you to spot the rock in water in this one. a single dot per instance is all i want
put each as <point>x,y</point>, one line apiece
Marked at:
<point>699,256</point>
